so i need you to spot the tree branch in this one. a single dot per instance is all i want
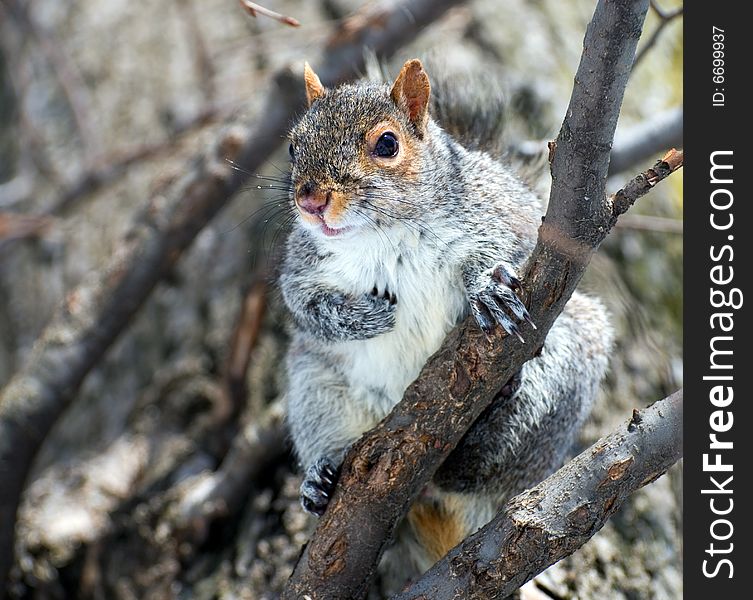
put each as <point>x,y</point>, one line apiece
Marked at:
<point>552,520</point>
<point>97,311</point>
<point>650,223</point>
<point>642,184</point>
<point>665,18</point>
<point>646,139</point>
<point>253,9</point>
<point>386,470</point>
<point>220,493</point>
<point>631,146</point>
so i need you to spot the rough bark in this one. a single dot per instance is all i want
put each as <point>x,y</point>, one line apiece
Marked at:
<point>96,312</point>
<point>386,470</point>
<point>552,520</point>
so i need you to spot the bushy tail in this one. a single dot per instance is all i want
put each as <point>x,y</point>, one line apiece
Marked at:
<point>470,106</point>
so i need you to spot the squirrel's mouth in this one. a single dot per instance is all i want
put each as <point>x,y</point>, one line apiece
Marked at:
<point>318,221</point>
<point>332,231</point>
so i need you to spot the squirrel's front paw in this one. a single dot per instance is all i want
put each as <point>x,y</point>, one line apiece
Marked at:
<point>379,312</point>
<point>495,292</point>
<point>318,485</point>
<point>385,298</point>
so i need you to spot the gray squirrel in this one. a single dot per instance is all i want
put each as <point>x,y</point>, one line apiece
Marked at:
<point>401,232</point>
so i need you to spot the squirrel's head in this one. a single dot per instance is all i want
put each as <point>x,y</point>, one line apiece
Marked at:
<point>357,150</point>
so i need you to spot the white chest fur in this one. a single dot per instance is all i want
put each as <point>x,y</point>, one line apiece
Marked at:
<point>430,301</point>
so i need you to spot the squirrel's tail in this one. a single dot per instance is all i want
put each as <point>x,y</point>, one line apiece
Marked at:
<point>468,104</point>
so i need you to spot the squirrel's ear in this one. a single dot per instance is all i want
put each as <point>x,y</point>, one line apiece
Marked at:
<point>314,87</point>
<point>411,93</point>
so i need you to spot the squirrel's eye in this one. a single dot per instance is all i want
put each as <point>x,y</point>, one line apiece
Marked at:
<point>386,146</point>
<point>291,151</point>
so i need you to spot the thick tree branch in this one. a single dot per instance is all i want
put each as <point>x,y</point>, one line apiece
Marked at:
<point>552,520</point>
<point>96,312</point>
<point>386,470</point>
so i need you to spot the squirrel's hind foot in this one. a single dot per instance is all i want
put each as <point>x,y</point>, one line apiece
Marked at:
<point>318,485</point>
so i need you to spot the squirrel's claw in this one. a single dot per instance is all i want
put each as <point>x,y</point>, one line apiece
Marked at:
<point>318,485</point>
<point>386,295</point>
<point>485,321</point>
<point>491,303</point>
<point>504,275</point>
<point>504,295</point>
<point>488,313</point>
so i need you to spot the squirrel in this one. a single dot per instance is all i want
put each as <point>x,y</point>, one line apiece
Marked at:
<point>401,232</point>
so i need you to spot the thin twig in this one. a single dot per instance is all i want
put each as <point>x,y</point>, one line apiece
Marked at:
<point>643,183</point>
<point>666,17</point>
<point>109,169</point>
<point>245,336</point>
<point>253,9</point>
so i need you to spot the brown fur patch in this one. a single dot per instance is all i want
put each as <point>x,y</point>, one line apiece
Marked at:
<point>411,92</point>
<point>314,87</point>
<point>438,526</point>
<point>338,204</point>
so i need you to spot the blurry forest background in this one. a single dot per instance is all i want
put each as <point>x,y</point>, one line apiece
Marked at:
<point>169,475</point>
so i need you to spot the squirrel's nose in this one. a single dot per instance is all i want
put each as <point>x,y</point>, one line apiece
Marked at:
<point>312,200</point>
